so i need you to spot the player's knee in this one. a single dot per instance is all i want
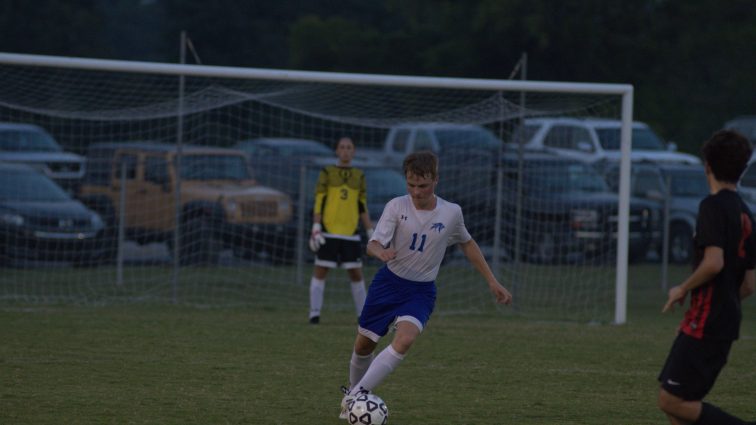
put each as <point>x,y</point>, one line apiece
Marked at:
<point>363,345</point>
<point>667,402</point>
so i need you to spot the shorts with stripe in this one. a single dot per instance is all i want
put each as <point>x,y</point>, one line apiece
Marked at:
<point>392,299</point>
<point>693,365</point>
<point>340,251</point>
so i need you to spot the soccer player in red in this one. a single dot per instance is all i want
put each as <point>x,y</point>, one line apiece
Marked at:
<point>725,257</point>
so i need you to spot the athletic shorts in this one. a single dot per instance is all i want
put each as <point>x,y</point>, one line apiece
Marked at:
<point>336,252</point>
<point>693,365</point>
<point>392,299</point>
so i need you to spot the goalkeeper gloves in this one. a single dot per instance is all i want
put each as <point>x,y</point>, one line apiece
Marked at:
<point>316,237</point>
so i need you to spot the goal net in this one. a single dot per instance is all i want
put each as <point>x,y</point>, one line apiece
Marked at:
<point>163,191</point>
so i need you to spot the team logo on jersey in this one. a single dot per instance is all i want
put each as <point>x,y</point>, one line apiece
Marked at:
<point>438,226</point>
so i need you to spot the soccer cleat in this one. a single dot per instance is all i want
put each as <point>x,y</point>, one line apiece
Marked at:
<point>314,320</point>
<point>347,398</point>
<point>344,414</point>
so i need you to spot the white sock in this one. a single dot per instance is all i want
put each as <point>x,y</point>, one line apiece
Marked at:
<point>317,287</point>
<point>358,366</point>
<point>358,294</point>
<point>383,364</point>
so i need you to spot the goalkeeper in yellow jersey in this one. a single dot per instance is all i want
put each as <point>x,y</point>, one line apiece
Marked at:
<point>340,203</point>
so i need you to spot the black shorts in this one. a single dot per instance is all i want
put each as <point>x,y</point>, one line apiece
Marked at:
<point>337,252</point>
<point>693,365</point>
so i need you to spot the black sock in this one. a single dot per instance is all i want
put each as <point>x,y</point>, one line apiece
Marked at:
<point>713,415</point>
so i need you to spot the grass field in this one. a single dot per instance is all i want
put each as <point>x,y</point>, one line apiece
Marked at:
<point>160,364</point>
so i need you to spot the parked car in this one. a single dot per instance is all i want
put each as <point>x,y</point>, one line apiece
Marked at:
<point>687,187</point>
<point>221,206</point>
<point>40,221</point>
<point>30,144</point>
<point>746,125</point>
<point>277,162</point>
<point>567,212</point>
<point>596,140</point>
<point>747,186</point>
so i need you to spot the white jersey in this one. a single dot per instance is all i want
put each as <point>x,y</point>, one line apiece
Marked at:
<point>419,237</point>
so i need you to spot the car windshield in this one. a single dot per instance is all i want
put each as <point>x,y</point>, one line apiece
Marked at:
<point>643,139</point>
<point>304,149</point>
<point>567,177</point>
<point>689,184</point>
<point>272,148</point>
<point>383,184</point>
<point>467,138</point>
<point>27,141</point>
<point>214,167</point>
<point>25,185</point>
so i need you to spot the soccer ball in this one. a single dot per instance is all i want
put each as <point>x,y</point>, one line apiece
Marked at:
<point>367,409</point>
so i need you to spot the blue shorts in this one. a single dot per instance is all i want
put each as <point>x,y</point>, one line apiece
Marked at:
<point>391,298</point>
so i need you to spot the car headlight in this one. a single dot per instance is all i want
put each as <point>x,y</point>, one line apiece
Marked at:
<point>96,222</point>
<point>12,219</point>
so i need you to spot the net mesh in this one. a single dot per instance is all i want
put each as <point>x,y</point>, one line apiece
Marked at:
<point>241,229</point>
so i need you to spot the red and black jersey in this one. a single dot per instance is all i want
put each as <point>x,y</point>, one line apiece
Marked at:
<point>725,221</point>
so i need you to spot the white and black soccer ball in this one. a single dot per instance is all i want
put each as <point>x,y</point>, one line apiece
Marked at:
<point>367,409</point>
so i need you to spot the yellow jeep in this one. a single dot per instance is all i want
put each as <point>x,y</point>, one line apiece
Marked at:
<point>137,185</point>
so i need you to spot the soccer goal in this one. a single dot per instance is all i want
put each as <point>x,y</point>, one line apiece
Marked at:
<point>180,201</point>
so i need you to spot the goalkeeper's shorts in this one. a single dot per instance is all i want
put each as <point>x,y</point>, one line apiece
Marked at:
<point>341,252</point>
<point>392,299</point>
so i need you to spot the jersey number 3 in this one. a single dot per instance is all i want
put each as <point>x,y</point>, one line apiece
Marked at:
<point>414,242</point>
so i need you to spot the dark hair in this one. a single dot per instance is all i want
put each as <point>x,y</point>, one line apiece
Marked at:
<point>727,152</point>
<point>338,141</point>
<point>421,163</point>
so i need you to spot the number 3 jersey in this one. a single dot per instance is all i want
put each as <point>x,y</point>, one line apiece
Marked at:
<point>340,197</point>
<point>419,237</point>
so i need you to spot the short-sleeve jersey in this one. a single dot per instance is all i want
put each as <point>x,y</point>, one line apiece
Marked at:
<point>419,237</point>
<point>340,197</point>
<point>725,221</point>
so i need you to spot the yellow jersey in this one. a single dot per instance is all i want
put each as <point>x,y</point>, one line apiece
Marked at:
<point>340,198</point>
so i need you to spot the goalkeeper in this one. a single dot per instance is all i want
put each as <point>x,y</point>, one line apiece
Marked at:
<point>340,202</point>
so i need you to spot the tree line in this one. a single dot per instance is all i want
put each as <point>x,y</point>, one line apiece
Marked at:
<point>692,62</point>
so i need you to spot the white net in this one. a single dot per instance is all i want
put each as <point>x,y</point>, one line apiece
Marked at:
<point>181,218</point>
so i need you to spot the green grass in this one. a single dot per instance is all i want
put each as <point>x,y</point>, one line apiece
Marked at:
<point>161,364</point>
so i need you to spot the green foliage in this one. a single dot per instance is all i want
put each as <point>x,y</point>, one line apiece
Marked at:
<point>692,63</point>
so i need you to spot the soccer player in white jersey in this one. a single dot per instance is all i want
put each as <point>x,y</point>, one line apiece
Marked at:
<point>410,238</point>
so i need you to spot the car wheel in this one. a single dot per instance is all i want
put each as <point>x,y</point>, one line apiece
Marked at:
<point>680,243</point>
<point>199,244</point>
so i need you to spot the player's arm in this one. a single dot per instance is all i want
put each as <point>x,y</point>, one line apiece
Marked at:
<point>364,213</point>
<point>748,287</point>
<point>476,258</point>
<point>375,249</point>
<point>711,264</point>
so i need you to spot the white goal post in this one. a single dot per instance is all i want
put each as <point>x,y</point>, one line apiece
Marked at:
<point>292,78</point>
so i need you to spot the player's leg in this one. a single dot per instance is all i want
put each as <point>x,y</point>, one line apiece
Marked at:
<point>325,259</point>
<point>389,358</point>
<point>351,260</point>
<point>678,411</point>
<point>357,284</point>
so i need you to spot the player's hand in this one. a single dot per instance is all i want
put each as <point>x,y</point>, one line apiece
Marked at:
<point>501,294</point>
<point>386,254</point>
<point>676,294</point>
<point>316,237</point>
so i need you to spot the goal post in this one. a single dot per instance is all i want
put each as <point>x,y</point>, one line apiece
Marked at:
<point>85,101</point>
